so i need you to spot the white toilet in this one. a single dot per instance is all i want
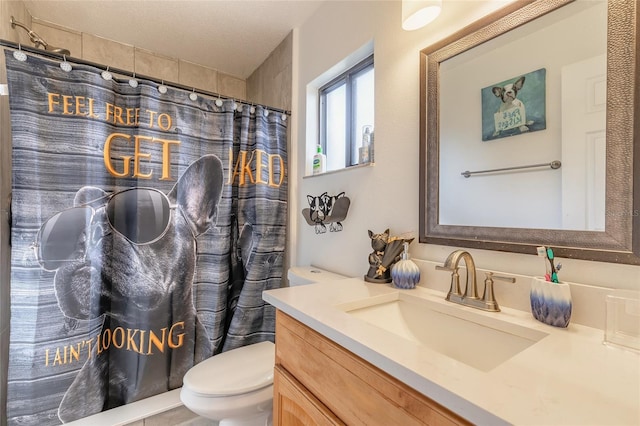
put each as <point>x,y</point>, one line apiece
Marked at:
<point>235,387</point>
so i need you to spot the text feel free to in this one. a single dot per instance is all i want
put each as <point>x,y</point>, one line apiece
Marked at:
<point>256,167</point>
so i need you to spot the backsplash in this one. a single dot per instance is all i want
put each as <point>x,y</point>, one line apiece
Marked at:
<point>588,300</point>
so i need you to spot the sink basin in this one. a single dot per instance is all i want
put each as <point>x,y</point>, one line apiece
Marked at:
<point>478,339</point>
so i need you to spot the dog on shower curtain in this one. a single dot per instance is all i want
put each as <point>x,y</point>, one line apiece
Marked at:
<point>141,285</point>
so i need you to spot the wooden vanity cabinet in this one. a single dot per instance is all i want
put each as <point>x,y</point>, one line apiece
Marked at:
<point>318,382</point>
<point>294,405</point>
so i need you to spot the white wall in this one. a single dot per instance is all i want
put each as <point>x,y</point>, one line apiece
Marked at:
<point>386,195</point>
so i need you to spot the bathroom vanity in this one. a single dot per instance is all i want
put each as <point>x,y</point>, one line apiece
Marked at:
<point>351,352</point>
<point>317,381</point>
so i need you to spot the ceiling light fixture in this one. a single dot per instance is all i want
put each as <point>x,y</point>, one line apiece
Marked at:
<point>418,13</point>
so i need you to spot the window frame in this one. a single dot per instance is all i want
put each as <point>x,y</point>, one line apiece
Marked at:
<point>346,79</point>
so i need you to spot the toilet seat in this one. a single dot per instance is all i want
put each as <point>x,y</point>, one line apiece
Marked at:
<point>238,371</point>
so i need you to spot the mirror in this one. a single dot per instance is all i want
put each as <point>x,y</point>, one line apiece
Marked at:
<point>529,130</point>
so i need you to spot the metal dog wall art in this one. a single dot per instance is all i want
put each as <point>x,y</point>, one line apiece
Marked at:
<point>325,209</point>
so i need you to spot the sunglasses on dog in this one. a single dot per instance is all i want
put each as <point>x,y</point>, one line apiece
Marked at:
<point>141,215</point>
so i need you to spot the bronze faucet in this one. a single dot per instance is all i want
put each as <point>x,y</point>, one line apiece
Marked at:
<point>470,295</point>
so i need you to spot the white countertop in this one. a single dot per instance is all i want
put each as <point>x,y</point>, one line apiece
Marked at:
<point>568,377</point>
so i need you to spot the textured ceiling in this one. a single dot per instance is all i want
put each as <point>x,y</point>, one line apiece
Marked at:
<point>233,36</point>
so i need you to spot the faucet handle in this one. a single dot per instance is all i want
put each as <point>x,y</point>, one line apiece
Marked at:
<point>500,277</point>
<point>454,288</point>
<point>488,297</point>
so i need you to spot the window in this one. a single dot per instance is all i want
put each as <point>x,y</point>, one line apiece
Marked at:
<point>346,107</point>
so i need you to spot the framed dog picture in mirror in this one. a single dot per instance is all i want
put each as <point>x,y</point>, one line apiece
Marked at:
<point>514,106</point>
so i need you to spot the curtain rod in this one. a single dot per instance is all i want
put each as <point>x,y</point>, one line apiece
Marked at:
<point>54,55</point>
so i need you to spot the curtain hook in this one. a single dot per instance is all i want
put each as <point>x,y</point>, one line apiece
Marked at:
<point>193,95</point>
<point>252,110</point>
<point>64,65</point>
<point>284,116</point>
<point>234,105</point>
<point>162,88</point>
<point>219,102</point>
<point>266,112</point>
<point>106,74</point>
<point>19,55</point>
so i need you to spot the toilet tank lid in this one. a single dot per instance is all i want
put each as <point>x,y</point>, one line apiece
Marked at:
<point>299,275</point>
<point>233,372</point>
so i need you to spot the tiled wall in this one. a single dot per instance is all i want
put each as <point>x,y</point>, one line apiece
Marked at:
<point>270,83</point>
<point>20,13</point>
<point>119,55</point>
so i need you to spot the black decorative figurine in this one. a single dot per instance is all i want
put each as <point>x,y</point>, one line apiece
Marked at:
<point>386,251</point>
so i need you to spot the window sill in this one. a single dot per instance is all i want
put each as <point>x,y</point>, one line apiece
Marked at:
<point>331,172</point>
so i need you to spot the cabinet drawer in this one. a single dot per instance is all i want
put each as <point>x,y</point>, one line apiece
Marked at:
<point>295,406</point>
<point>354,390</point>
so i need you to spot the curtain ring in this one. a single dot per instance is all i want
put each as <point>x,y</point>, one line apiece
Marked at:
<point>193,95</point>
<point>106,74</point>
<point>19,55</point>
<point>132,81</point>
<point>162,88</point>
<point>64,65</point>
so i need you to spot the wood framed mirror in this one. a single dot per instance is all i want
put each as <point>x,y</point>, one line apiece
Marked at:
<point>589,206</point>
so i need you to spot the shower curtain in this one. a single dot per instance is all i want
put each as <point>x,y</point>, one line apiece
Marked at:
<point>145,225</point>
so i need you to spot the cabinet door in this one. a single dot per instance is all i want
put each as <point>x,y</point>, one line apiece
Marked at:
<point>293,405</point>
